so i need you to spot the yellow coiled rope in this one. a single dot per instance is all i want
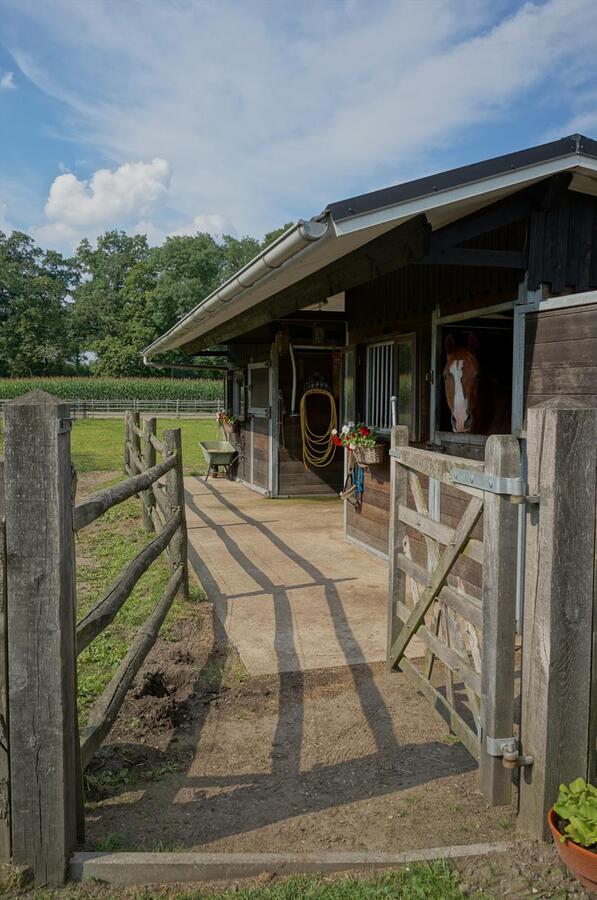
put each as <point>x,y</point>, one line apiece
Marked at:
<point>318,449</point>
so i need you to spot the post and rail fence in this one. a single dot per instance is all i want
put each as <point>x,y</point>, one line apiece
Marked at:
<point>42,756</point>
<point>88,409</point>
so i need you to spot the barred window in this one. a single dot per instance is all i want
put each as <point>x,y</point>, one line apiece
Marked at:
<point>390,371</point>
<point>380,380</point>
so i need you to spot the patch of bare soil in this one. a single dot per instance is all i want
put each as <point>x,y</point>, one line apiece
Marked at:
<point>529,871</point>
<point>204,757</point>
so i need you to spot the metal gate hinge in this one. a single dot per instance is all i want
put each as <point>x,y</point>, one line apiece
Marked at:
<point>64,425</point>
<point>508,748</point>
<point>515,488</point>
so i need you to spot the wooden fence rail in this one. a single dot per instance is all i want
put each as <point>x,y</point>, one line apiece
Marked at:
<point>41,794</point>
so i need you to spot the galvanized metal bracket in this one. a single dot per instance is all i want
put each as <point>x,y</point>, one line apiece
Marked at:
<point>515,488</point>
<point>64,425</point>
<point>496,746</point>
<point>509,750</point>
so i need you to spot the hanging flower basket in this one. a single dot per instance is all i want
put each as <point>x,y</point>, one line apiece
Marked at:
<point>227,422</point>
<point>361,440</point>
<point>369,456</point>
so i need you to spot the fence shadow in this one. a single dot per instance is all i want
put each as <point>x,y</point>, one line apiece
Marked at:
<point>230,804</point>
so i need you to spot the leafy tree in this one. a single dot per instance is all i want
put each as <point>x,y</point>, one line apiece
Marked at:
<point>34,288</point>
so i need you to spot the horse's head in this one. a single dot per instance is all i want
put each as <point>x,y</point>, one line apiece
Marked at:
<point>461,380</point>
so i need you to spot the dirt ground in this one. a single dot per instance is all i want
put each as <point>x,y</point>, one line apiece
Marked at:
<point>204,757</point>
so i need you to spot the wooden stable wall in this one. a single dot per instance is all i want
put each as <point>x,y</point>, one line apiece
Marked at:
<point>561,355</point>
<point>402,303</point>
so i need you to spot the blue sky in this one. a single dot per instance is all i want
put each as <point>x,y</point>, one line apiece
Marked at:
<point>169,116</point>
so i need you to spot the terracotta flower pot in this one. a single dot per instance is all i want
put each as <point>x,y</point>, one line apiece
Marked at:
<point>580,861</point>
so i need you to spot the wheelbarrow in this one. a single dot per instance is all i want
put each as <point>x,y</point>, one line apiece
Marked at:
<point>218,454</point>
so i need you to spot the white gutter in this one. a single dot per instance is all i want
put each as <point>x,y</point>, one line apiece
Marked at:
<point>293,241</point>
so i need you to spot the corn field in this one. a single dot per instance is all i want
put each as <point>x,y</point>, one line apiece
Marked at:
<point>115,388</point>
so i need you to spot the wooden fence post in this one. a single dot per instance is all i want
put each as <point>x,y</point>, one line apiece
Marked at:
<point>175,488</point>
<point>397,578</point>
<point>558,610</point>
<point>500,516</point>
<point>5,842</point>
<point>149,460</point>
<point>41,624</point>
<point>126,463</point>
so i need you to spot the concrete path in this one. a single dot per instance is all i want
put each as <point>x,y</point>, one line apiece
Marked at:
<point>291,593</point>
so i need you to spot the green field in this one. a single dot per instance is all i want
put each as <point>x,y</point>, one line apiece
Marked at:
<point>97,444</point>
<point>116,388</point>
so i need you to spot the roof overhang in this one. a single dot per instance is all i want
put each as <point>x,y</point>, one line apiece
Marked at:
<point>311,245</point>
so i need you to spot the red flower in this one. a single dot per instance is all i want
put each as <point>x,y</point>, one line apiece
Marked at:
<point>336,440</point>
<point>364,430</point>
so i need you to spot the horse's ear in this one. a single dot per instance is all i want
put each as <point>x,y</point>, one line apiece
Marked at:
<point>473,343</point>
<point>450,344</point>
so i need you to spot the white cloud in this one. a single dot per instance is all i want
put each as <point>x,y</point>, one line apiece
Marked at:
<point>212,223</point>
<point>267,111</point>
<point>7,82</point>
<point>108,197</point>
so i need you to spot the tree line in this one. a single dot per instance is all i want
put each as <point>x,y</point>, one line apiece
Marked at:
<point>94,312</point>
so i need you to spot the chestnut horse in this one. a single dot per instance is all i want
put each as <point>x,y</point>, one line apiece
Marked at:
<point>477,402</point>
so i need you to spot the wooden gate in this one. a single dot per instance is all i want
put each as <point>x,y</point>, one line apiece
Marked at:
<point>473,637</point>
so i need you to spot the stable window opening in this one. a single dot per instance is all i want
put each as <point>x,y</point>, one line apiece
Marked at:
<point>472,375</point>
<point>390,372</point>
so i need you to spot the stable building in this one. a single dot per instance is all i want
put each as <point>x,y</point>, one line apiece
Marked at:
<point>367,311</point>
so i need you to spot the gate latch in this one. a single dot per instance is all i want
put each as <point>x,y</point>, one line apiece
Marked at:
<point>508,749</point>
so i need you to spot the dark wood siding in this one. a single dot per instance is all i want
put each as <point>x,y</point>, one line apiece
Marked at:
<point>563,244</point>
<point>561,355</point>
<point>401,303</point>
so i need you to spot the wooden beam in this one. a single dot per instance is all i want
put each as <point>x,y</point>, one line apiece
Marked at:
<point>102,614</point>
<point>558,613</point>
<point>502,459</point>
<point>41,624</point>
<point>503,212</point>
<point>5,842</point>
<point>438,578</point>
<point>397,534</point>
<point>105,710</point>
<point>97,504</point>
<point>469,256</point>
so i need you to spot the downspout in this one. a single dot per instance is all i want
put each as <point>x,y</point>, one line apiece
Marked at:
<point>293,361</point>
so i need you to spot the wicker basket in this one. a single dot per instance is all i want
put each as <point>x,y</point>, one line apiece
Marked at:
<point>369,456</point>
<point>231,428</point>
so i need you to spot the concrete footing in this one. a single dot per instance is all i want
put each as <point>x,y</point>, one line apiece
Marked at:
<point>163,868</point>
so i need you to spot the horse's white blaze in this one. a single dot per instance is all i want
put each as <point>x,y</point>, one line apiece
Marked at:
<point>460,410</point>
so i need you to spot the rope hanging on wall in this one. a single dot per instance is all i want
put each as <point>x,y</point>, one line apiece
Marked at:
<point>318,449</point>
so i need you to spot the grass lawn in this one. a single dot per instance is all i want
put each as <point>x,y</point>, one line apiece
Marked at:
<point>97,444</point>
<point>103,549</point>
<point>436,881</point>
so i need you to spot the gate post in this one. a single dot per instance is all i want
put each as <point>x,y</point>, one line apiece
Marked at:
<point>41,624</point>
<point>558,605</point>
<point>397,578</point>
<point>500,516</point>
<point>5,842</point>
